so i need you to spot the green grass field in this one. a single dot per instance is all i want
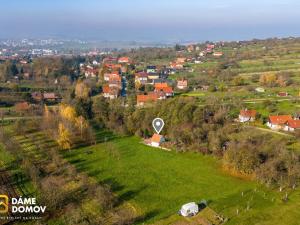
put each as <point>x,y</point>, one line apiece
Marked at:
<point>5,158</point>
<point>157,183</point>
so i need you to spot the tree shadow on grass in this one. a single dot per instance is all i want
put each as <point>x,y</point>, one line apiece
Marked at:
<point>87,166</point>
<point>77,161</point>
<point>146,217</point>
<point>114,185</point>
<point>128,195</point>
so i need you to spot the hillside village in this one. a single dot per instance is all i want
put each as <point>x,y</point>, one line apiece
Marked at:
<point>82,123</point>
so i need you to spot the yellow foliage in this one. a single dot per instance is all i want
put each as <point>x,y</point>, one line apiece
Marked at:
<point>81,123</point>
<point>82,90</point>
<point>67,112</point>
<point>64,137</point>
<point>268,78</point>
<point>46,111</point>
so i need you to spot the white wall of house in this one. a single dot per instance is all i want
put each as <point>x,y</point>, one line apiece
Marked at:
<point>244,119</point>
<point>181,87</point>
<point>290,129</point>
<point>155,144</point>
<point>274,126</point>
<point>106,95</point>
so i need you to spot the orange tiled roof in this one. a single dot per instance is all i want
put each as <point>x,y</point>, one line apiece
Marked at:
<point>161,85</point>
<point>124,59</point>
<point>248,113</point>
<point>281,119</point>
<point>293,123</point>
<point>156,138</point>
<point>147,98</point>
<point>106,89</point>
<point>114,77</point>
<point>164,89</point>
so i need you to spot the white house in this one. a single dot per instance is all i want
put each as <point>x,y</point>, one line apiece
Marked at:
<point>95,63</point>
<point>247,115</point>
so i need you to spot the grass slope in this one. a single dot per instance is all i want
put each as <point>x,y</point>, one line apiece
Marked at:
<point>157,183</point>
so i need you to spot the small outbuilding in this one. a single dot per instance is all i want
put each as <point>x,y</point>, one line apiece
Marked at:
<point>189,209</point>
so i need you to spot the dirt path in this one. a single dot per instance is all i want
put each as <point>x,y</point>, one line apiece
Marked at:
<point>271,131</point>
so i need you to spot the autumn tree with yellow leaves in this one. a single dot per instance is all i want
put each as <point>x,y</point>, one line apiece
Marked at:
<point>67,127</point>
<point>82,90</point>
<point>64,137</point>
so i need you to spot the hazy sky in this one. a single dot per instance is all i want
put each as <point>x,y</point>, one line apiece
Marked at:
<point>165,20</point>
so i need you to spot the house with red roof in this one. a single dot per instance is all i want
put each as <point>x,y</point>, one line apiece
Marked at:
<point>151,97</point>
<point>109,76</point>
<point>110,92</point>
<point>218,54</point>
<point>161,85</point>
<point>278,122</point>
<point>47,96</point>
<point>124,60</point>
<point>292,125</point>
<point>157,140</point>
<point>50,96</point>
<point>209,48</point>
<point>247,115</point>
<point>176,65</point>
<point>182,84</point>
<point>283,94</point>
<point>164,88</point>
<point>22,106</point>
<point>115,81</point>
<point>90,72</point>
<point>113,66</point>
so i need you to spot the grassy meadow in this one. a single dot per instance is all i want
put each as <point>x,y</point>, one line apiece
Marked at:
<point>157,183</point>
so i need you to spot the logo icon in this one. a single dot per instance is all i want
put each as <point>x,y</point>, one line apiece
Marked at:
<point>3,204</point>
<point>158,124</point>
